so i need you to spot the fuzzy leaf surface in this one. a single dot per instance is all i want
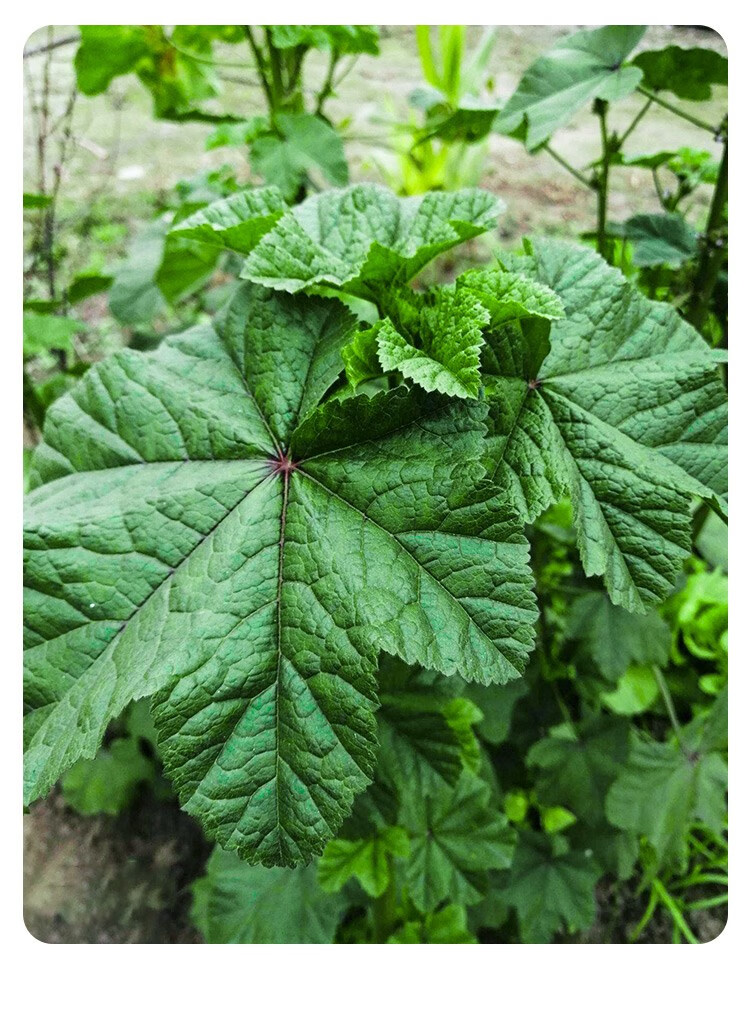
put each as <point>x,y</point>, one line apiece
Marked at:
<point>237,222</point>
<point>622,408</point>
<point>362,238</point>
<point>169,555</point>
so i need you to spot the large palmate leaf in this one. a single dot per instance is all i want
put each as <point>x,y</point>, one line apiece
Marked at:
<point>364,237</point>
<point>550,886</point>
<point>237,222</point>
<point>238,903</point>
<point>621,407</point>
<point>456,836</point>
<point>304,146</point>
<point>581,67</point>
<point>576,771</point>
<point>687,73</point>
<point>205,534</point>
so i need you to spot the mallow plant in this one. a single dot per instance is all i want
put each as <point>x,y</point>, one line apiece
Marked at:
<point>301,532</point>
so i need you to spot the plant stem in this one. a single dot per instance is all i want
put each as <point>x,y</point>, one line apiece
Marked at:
<point>602,182</point>
<point>713,255</point>
<point>676,110</point>
<point>669,705</point>
<point>261,65</point>
<point>384,910</point>
<point>653,900</point>
<point>277,80</point>
<point>674,910</point>
<point>568,167</point>
<point>327,90</point>
<point>639,116</point>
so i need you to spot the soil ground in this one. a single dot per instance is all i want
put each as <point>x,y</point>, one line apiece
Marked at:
<point>126,879</point>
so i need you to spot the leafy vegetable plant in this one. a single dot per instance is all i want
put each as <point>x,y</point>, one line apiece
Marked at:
<point>301,532</point>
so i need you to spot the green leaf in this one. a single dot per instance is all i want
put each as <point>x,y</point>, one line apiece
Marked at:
<point>85,285</point>
<point>615,638</point>
<point>47,333</point>
<point>508,296</point>
<point>307,145</point>
<point>367,859</point>
<point>687,73</point>
<point>456,836</point>
<point>550,887</point>
<point>363,238</point>
<point>239,903</point>
<point>425,735</point>
<point>238,222</point>
<point>106,52</point>
<point>134,297</point>
<point>107,784</point>
<point>581,67</point>
<point>341,38</point>
<point>33,201</point>
<point>660,239</point>
<point>360,356</point>
<point>496,703</point>
<point>174,550</point>
<point>636,692</point>
<point>447,925</point>
<point>451,339</point>
<point>626,414</point>
<point>185,266</point>
<point>577,772</point>
<point>556,819</point>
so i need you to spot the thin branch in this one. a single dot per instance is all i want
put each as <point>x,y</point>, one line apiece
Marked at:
<point>635,122</point>
<point>568,167</point>
<point>49,46</point>
<point>701,123</point>
<point>669,705</point>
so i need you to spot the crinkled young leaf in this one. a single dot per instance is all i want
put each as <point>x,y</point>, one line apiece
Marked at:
<point>364,237</point>
<point>239,903</point>
<point>456,836</point>
<point>687,73</point>
<point>451,337</point>
<point>579,68</point>
<point>173,550</point>
<point>576,772</point>
<point>626,413</point>
<point>360,355</point>
<point>367,859</point>
<point>550,887</point>
<point>238,222</point>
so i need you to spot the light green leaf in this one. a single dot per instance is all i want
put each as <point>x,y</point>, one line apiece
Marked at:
<point>360,355</point>
<point>615,638</point>
<point>626,414</point>
<point>238,222</point>
<point>364,237</point>
<point>456,836</point>
<point>550,887</point>
<point>579,68</point>
<point>342,38</point>
<point>206,535</point>
<point>576,773</point>
<point>448,925</point>
<point>307,145</point>
<point>636,692</point>
<point>47,333</point>
<point>451,337</point>
<point>660,239</point>
<point>107,784</point>
<point>661,791</point>
<point>367,859</point>
<point>687,73</point>
<point>239,903</point>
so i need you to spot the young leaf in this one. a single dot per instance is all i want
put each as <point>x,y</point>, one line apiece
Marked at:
<point>307,145</point>
<point>451,341</point>
<point>107,783</point>
<point>581,67</point>
<point>687,73</point>
<point>592,421</point>
<point>615,638</point>
<point>576,772</point>
<point>238,222</point>
<point>636,692</point>
<point>205,534</point>
<point>367,859</point>
<point>456,836</point>
<point>550,886</point>
<point>360,355</point>
<point>239,903</point>
<point>447,925</point>
<point>364,237</point>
